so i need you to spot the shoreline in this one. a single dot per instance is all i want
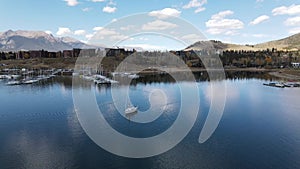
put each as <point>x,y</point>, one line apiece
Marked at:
<point>286,76</point>
<point>68,64</point>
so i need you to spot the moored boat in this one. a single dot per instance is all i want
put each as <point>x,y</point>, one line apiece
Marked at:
<point>15,82</point>
<point>131,109</point>
<point>272,84</point>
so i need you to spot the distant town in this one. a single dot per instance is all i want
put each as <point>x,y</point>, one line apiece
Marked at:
<point>269,58</point>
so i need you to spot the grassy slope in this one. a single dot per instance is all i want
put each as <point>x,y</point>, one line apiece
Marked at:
<point>289,43</point>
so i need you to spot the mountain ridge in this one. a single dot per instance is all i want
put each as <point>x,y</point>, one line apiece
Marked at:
<point>37,40</point>
<point>289,43</point>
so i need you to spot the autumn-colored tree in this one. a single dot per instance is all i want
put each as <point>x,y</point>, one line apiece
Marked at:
<point>269,60</point>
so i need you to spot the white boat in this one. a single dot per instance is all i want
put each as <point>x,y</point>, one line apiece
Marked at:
<point>113,81</point>
<point>115,73</point>
<point>89,78</point>
<point>42,77</point>
<point>14,83</point>
<point>75,74</point>
<point>2,76</point>
<point>30,81</point>
<point>5,77</point>
<point>15,76</point>
<point>131,109</point>
<point>100,81</point>
<point>103,79</point>
<point>133,76</point>
<point>279,85</point>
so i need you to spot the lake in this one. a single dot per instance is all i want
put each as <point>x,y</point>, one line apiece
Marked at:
<point>260,127</point>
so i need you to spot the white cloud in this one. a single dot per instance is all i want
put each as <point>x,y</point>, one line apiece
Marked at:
<point>292,21</point>
<point>230,32</point>
<point>79,32</point>
<point>86,9</point>
<point>259,35</point>
<point>165,13</point>
<point>128,27</point>
<point>111,2</point>
<point>63,31</point>
<point>192,38</point>
<point>200,9</point>
<point>196,4</point>
<point>222,15</point>
<point>158,25</point>
<point>114,20</point>
<point>218,24</point>
<point>97,0</point>
<point>148,47</point>
<point>109,9</point>
<point>110,34</point>
<point>284,10</point>
<point>84,41</point>
<point>260,19</point>
<point>48,32</point>
<point>97,28</point>
<point>72,2</point>
<point>143,39</point>
<point>89,36</point>
<point>295,21</point>
<point>245,35</point>
<point>294,30</point>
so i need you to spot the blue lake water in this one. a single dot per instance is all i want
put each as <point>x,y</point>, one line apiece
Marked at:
<point>260,127</point>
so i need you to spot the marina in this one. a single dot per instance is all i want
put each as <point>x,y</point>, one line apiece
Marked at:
<point>25,77</point>
<point>283,84</point>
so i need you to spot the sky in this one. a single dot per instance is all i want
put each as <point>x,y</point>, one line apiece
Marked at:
<point>233,21</point>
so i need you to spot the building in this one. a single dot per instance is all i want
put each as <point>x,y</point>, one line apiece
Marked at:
<point>88,53</point>
<point>76,52</point>
<point>112,52</point>
<point>23,55</point>
<point>67,53</point>
<point>35,54</point>
<point>51,55</point>
<point>58,54</point>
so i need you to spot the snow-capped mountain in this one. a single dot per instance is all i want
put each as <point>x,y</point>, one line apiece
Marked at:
<point>37,40</point>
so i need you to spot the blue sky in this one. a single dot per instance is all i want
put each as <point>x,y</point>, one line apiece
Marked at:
<point>236,21</point>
